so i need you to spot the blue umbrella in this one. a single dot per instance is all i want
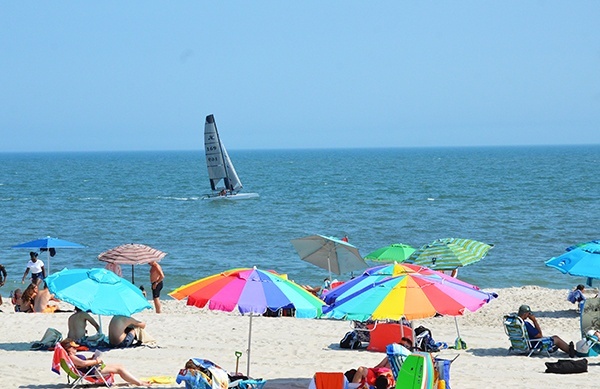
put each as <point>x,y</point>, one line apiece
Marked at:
<point>50,245</point>
<point>581,260</point>
<point>99,291</point>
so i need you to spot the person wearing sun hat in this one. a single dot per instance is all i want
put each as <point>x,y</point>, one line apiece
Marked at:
<point>534,331</point>
<point>95,361</point>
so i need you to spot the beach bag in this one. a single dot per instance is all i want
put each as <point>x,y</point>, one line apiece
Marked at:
<point>48,341</point>
<point>567,366</point>
<point>350,340</point>
<point>424,340</point>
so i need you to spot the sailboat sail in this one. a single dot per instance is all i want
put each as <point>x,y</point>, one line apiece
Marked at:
<point>221,172</point>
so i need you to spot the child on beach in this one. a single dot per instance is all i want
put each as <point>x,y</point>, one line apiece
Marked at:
<point>576,296</point>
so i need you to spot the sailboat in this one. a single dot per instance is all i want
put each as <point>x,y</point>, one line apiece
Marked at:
<point>224,181</point>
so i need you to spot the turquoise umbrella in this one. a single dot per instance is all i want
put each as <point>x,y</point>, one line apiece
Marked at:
<point>449,253</point>
<point>580,260</point>
<point>99,291</point>
<point>397,252</point>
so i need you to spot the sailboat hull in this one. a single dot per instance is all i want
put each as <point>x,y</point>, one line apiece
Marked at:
<point>231,197</point>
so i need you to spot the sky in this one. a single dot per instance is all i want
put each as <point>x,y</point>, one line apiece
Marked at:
<point>143,75</point>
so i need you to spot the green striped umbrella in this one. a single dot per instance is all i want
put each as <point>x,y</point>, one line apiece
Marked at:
<point>397,252</point>
<point>449,253</point>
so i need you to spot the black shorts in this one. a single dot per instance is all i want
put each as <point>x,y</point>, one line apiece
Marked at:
<point>156,290</point>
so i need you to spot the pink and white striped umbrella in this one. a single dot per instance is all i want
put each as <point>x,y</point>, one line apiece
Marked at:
<point>132,254</point>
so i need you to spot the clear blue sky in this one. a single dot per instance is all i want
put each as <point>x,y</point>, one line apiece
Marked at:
<point>142,75</point>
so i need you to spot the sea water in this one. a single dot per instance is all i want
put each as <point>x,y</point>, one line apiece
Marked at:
<point>529,202</point>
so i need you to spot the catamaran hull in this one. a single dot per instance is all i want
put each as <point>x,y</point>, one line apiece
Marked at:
<point>231,197</point>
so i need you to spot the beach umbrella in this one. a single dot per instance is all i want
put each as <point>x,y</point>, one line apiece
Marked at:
<point>379,273</point>
<point>99,291</point>
<point>132,254</point>
<point>329,253</point>
<point>251,291</point>
<point>581,260</point>
<point>412,292</point>
<point>449,253</point>
<point>49,245</point>
<point>397,252</point>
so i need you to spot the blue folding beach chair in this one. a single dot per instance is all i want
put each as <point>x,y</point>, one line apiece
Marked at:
<point>207,375</point>
<point>519,339</point>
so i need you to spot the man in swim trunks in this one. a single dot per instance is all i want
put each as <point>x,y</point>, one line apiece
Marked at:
<point>156,278</point>
<point>121,332</point>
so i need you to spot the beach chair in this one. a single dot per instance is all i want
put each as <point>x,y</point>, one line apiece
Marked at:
<point>519,339</point>
<point>62,360</point>
<point>396,355</point>
<point>328,380</point>
<point>208,375</point>
<point>589,346</point>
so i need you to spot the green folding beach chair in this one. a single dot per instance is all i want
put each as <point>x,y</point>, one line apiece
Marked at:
<point>519,339</point>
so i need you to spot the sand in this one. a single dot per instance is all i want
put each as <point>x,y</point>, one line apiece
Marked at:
<point>288,351</point>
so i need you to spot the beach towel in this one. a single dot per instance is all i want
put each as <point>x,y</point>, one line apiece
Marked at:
<point>163,379</point>
<point>144,338</point>
<point>329,380</point>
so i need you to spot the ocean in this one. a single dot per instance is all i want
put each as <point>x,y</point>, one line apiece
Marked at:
<point>530,202</point>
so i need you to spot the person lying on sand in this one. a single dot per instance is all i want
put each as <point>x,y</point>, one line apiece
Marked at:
<point>534,331</point>
<point>85,364</point>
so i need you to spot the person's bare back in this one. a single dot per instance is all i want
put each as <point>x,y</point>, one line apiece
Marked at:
<point>77,324</point>
<point>117,326</point>
<point>40,303</point>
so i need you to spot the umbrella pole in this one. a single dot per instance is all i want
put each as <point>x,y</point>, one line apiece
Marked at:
<point>132,272</point>
<point>329,267</point>
<point>456,323</point>
<point>48,260</point>
<point>249,343</point>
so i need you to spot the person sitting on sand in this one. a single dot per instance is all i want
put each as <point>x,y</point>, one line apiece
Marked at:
<point>121,332</point>
<point>534,331</point>
<point>42,298</point>
<point>85,364</point>
<point>78,322</point>
<point>27,298</point>
<point>15,299</point>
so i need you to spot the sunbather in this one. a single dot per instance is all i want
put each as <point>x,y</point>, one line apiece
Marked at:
<point>28,297</point>
<point>121,331</point>
<point>78,322</point>
<point>379,376</point>
<point>534,331</point>
<point>41,303</point>
<point>85,364</point>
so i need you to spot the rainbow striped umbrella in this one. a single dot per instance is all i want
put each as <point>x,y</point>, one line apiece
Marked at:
<point>412,292</point>
<point>251,291</point>
<point>379,273</point>
<point>449,253</point>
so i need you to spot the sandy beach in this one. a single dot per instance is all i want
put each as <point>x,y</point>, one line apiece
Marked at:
<point>288,351</point>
